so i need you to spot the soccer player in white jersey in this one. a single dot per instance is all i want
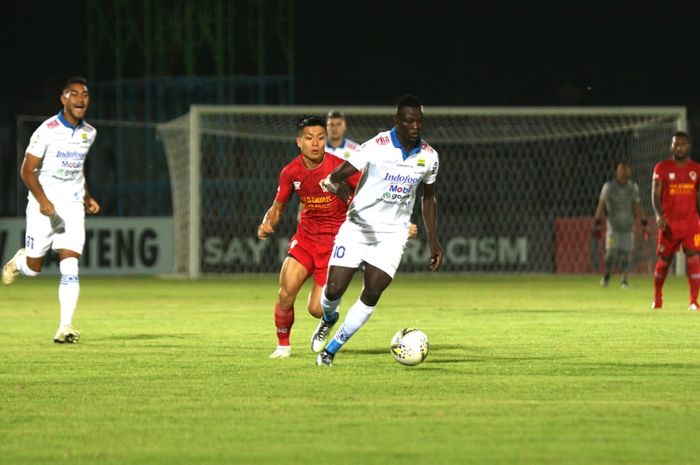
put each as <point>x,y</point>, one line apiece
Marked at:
<point>53,171</point>
<point>343,148</point>
<point>336,142</point>
<point>394,164</point>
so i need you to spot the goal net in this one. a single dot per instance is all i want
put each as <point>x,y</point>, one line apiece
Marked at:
<point>517,187</point>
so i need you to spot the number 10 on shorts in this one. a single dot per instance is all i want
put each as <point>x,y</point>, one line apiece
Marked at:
<point>338,251</point>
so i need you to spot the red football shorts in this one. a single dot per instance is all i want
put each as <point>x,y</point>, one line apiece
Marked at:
<point>670,239</point>
<point>313,254</point>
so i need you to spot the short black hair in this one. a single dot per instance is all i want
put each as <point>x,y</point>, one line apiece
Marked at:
<point>335,114</point>
<point>311,120</point>
<point>682,134</point>
<point>75,80</point>
<point>408,101</point>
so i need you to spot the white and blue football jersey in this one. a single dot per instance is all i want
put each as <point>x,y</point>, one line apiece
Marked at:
<point>63,150</point>
<point>386,192</point>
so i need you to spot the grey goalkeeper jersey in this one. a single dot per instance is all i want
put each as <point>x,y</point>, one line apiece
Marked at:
<point>619,203</point>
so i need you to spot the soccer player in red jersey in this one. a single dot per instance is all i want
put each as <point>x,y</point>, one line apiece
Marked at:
<point>322,214</point>
<point>675,199</point>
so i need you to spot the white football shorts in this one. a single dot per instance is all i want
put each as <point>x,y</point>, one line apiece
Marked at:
<point>354,245</point>
<point>67,231</point>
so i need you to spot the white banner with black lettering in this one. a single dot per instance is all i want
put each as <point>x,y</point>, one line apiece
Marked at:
<point>113,246</point>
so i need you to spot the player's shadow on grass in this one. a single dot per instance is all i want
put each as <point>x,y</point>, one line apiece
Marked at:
<point>444,354</point>
<point>368,351</point>
<point>439,350</point>
<point>147,337</point>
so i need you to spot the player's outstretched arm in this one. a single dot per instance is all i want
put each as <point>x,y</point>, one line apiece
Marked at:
<point>335,182</point>
<point>429,205</point>
<point>342,172</point>
<point>270,220</point>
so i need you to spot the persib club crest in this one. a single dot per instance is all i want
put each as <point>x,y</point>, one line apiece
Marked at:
<point>693,175</point>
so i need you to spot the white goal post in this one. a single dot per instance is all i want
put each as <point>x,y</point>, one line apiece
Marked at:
<point>517,187</point>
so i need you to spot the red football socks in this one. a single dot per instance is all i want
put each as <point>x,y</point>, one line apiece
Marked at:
<point>660,273</point>
<point>284,319</point>
<point>693,270</point>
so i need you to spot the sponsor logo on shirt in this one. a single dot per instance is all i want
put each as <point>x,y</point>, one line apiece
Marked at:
<point>424,146</point>
<point>383,140</point>
<point>71,164</point>
<point>421,162</point>
<point>681,188</point>
<point>312,202</point>
<point>71,155</point>
<point>388,197</point>
<point>53,124</point>
<point>400,178</point>
<point>399,188</point>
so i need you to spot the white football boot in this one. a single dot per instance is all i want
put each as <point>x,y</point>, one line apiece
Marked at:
<point>320,336</point>
<point>66,334</point>
<point>325,359</point>
<point>281,352</point>
<point>10,271</point>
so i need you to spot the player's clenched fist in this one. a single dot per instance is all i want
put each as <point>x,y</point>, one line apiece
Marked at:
<point>264,230</point>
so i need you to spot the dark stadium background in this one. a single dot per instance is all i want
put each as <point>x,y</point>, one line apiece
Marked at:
<point>368,53</point>
<point>449,53</point>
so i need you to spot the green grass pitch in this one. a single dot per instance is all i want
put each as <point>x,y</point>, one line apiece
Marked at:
<point>522,370</point>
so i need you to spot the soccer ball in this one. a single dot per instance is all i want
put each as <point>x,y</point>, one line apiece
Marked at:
<point>409,346</point>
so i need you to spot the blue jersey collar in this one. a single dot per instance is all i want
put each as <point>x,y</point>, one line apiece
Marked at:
<point>397,144</point>
<point>65,122</point>
<point>341,146</point>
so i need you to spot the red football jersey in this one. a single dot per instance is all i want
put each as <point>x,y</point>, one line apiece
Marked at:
<point>323,212</point>
<point>679,186</point>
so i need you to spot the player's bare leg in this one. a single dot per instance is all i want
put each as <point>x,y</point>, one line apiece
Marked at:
<point>314,302</point>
